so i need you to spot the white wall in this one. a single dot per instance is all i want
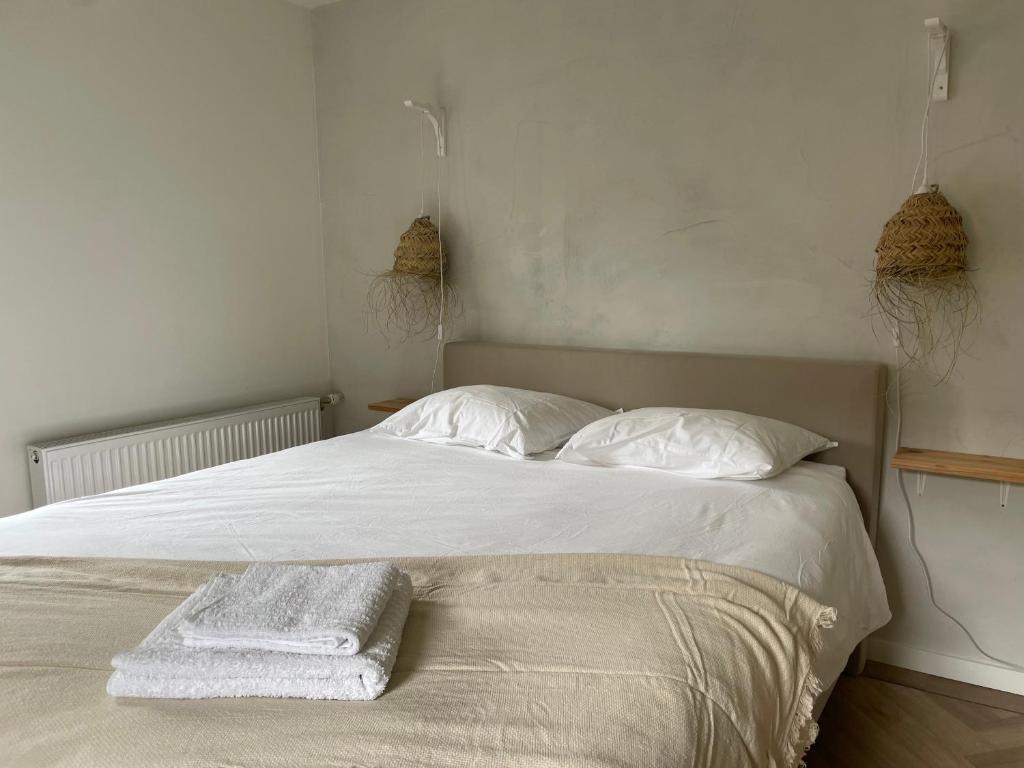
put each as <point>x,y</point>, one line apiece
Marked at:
<point>159,225</point>
<point>698,175</point>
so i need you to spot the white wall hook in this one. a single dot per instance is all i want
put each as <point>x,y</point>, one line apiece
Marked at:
<point>922,478</point>
<point>1004,494</point>
<point>436,118</point>
<point>938,57</point>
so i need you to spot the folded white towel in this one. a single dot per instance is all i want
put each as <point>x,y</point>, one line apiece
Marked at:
<point>163,667</point>
<point>295,608</point>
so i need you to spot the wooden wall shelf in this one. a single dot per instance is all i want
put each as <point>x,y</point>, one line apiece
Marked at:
<point>390,406</point>
<point>973,465</point>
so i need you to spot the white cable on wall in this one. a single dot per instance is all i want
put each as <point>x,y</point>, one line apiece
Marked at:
<point>425,112</point>
<point>440,260</point>
<point>913,531</point>
<point>922,158</point>
<point>423,194</point>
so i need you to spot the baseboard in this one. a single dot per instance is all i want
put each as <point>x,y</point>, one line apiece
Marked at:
<point>951,667</point>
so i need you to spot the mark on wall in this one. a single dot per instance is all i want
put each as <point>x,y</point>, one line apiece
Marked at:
<point>690,226</point>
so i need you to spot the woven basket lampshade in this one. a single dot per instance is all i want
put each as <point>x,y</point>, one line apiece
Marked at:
<point>924,240</point>
<point>922,286</point>
<point>420,250</point>
<point>413,297</point>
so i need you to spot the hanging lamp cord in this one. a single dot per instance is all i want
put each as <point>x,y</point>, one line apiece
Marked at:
<point>912,527</point>
<point>922,158</point>
<point>441,265</point>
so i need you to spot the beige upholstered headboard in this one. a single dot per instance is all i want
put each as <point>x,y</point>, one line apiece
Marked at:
<point>841,400</point>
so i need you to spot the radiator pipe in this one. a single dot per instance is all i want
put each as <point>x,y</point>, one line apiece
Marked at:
<point>332,399</point>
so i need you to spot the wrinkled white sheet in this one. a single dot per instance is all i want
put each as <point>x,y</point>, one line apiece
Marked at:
<point>371,495</point>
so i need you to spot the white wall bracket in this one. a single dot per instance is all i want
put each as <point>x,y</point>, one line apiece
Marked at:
<point>436,118</point>
<point>938,58</point>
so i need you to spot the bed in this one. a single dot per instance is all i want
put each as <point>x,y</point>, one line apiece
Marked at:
<point>370,495</point>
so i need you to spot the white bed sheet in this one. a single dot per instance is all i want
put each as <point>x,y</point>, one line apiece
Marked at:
<point>374,495</point>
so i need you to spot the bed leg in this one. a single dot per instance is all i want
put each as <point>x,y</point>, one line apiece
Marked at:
<point>859,657</point>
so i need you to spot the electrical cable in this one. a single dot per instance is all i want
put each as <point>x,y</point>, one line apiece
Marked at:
<point>440,261</point>
<point>440,247</point>
<point>422,193</point>
<point>923,156</point>
<point>913,529</point>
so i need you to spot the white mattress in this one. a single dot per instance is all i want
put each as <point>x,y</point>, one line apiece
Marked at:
<point>373,495</point>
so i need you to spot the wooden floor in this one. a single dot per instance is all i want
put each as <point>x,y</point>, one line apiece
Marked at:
<point>871,723</point>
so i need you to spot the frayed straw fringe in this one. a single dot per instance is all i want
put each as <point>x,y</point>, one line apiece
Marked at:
<point>409,306</point>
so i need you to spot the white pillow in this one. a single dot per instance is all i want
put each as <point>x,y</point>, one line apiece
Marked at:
<point>694,443</point>
<point>516,422</point>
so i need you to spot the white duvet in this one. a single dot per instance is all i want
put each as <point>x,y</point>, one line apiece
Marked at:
<point>374,495</point>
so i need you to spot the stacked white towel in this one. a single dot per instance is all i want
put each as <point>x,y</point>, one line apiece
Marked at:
<point>164,666</point>
<point>295,608</point>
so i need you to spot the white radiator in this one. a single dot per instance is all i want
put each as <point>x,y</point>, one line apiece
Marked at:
<point>104,461</point>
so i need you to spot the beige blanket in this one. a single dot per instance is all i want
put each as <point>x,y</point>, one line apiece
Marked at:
<point>550,660</point>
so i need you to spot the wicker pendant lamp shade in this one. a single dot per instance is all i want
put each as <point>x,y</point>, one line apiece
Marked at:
<point>411,298</point>
<point>420,250</point>
<point>924,240</point>
<point>921,286</point>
